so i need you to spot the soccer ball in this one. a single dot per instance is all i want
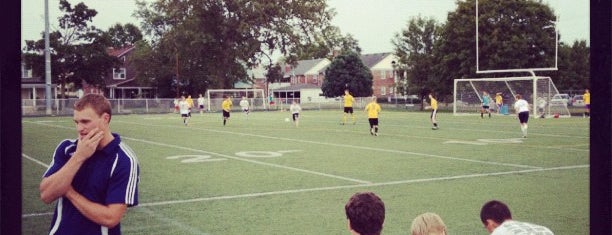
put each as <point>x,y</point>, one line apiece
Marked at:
<point>286,119</point>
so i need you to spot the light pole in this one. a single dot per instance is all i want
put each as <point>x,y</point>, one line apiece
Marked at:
<point>47,61</point>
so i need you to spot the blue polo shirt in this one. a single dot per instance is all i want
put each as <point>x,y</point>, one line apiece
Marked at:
<point>109,176</point>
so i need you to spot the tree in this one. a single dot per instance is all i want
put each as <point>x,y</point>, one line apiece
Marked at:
<point>414,48</point>
<point>574,72</point>
<point>347,71</point>
<point>509,33</point>
<point>78,51</point>
<point>123,35</point>
<point>211,43</point>
<point>325,44</point>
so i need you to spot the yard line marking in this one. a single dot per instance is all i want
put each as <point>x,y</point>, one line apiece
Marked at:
<point>250,160</point>
<point>358,147</point>
<point>239,158</point>
<point>170,221</point>
<point>35,160</point>
<point>292,191</point>
<point>36,214</point>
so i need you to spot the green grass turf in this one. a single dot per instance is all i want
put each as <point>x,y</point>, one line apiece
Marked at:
<point>262,175</point>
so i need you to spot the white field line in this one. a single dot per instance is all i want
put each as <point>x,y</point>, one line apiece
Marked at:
<point>356,147</point>
<point>445,178</point>
<point>35,160</point>
<point>239,159</point>
<point>172,222</point>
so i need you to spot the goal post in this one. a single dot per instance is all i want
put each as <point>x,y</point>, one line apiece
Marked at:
<point>536,90</point>
<point>214,98</point>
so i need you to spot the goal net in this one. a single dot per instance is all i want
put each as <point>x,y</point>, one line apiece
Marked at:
<point>537,91</point>
<point>256,98</point>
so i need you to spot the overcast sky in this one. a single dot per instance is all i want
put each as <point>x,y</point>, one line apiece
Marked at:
<point>372,22</point>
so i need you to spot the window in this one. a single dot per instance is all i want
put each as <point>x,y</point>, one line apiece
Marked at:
<point>382,74</point>
<point>26,72</point>
<point>119,74</point>
<point>383,90</point>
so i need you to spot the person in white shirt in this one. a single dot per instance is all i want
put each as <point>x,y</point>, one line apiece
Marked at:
<point>497,220</point>
<point>184,110</point>
<point>244,104</point>
<point>295,112</point>
<point>201,104</point>
<point>521,107</point>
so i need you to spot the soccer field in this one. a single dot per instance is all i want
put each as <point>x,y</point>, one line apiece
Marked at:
<point>262,175</point>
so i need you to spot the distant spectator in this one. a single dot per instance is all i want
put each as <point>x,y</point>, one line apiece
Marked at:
<point>497,220</point>
<point>586,98</point>
<point>365,213</point>
<point>428,224</point>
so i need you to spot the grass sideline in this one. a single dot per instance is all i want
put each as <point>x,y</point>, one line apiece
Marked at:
<point>261,175</point>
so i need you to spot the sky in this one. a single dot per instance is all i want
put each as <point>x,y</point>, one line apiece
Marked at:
<point>372,22</point>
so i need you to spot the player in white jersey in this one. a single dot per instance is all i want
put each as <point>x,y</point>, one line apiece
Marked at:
<point>184,110</point>
<point>201,104</point>
<point>295,112</point>
<point>521,107</point>
<point>497,219</point>
<point>244,104</point>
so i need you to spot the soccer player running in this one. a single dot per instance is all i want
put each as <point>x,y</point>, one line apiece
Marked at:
<point>521,108</point>
<point>295,112</point>
<point>244,104</point>
<point>373,109</point>
<point>94,178</point>
<point>434,110</point>
<point>486,99</point>
<point>586,98</point>
<point>184,110</point>
<point>227,107</point>
<point>348,106</point>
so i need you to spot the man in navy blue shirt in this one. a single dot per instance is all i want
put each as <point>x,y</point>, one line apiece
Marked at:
<point>93,178</point>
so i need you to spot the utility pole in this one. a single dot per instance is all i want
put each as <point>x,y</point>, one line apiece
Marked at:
<point>47,60</point>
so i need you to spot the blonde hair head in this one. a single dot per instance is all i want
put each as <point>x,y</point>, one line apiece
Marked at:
<point>428,224</point>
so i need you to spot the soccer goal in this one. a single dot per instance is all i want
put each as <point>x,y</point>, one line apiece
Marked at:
<point>214,98</point>
<point>537,91</point>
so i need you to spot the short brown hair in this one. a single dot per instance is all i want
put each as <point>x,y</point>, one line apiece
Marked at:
<point>96,102</point>
<point>366,212</point>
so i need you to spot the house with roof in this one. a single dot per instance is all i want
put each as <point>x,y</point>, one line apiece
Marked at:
<point>121,82</point>
<point>384,79</point>
<point>33,91</point>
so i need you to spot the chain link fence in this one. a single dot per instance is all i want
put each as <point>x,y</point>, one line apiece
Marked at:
<point>64,107</point>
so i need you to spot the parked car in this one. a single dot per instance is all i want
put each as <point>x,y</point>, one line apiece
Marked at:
<point>577,100</point>
<point>563,99</point>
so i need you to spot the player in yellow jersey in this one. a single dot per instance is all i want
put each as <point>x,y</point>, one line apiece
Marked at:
<point>499,101</point>
<point>227,107</point>
<point>434,110</point>
<point>373,109</point>
<point>348,106</point>
<point>586,97</point>
<point>190,103</point>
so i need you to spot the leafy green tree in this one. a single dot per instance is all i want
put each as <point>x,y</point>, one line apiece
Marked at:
<point>574,72</point>
<point>347,71</point>
<point>513,34</point>
<point>78,50</point>
<point>325,44</point>
<point>211,43</point>
<point>414,48</point>
<point>123,35</point>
